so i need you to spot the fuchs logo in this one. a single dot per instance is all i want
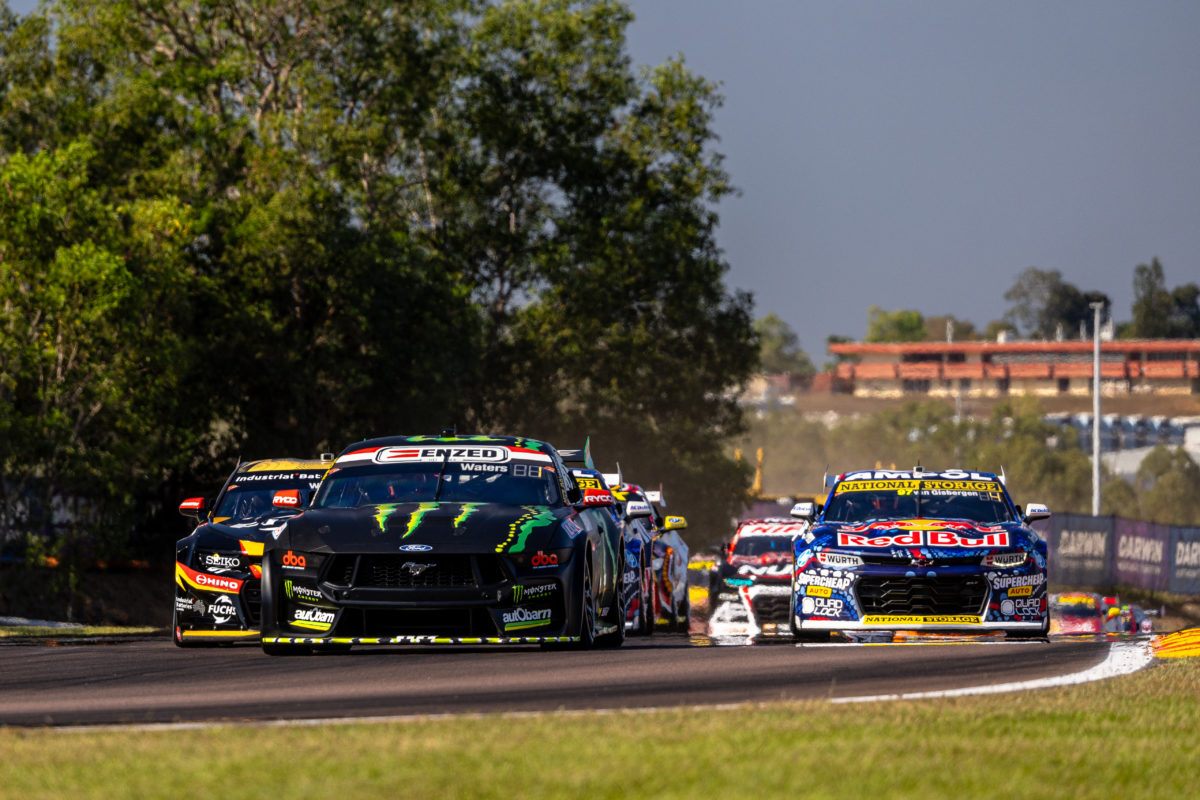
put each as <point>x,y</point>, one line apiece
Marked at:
<point>297,592</point>
<point>294,561</point>
<point>222,609</point>
<point>415,548</point>
<point>217,582</point>
<point>540,559</point>
<point>312,615</point>
<point>451,454</point>
<point>225,562</point>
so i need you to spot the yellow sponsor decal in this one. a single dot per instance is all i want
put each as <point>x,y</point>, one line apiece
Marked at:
<point>210,634</point>
<point>280,465</point>
<point>932,619</point>
<point>251,548</point>
<point>908,486</point>
<point>818,591</point>
<point>1020,591</point>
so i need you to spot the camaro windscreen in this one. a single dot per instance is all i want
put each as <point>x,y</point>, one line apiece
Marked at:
<point>861,501</point>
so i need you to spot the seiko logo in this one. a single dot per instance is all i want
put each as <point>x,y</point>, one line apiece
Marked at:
<point>216,560</point>
<point>413,568</point>
<point>290,559</point>
<point>415,548</point>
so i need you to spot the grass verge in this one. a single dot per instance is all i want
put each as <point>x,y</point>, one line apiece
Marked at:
<point>1126,737</point>
<point>84,632</point>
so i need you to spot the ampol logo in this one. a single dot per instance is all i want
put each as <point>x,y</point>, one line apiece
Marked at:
<point>294,561</point>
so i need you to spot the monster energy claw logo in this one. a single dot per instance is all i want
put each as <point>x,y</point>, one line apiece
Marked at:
<point>518,593</point>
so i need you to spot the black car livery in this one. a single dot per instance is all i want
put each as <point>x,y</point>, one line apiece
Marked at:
<point>444,540</point>
<point>217,567</point>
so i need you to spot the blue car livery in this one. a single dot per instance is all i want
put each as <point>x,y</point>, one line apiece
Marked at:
<point>925,551</point>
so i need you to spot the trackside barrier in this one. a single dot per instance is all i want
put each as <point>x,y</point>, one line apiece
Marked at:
<point>1110,551</point>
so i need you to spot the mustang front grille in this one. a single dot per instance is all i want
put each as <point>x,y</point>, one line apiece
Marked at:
<point>413,571</point>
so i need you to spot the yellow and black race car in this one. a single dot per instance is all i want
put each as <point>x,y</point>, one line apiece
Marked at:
<point>217,569</point>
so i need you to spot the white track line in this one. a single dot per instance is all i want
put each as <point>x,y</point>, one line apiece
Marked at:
<point>1124,658</point>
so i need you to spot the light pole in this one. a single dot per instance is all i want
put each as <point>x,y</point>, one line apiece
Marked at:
<point>1096,307</point>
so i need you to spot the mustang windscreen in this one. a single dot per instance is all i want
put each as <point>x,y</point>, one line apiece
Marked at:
<point>253,500</point>
<point>871,502</point>
<point>514,483</point>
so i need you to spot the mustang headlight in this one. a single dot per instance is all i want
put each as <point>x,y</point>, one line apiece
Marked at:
<point>839,560</point>
<point>1005,560</point>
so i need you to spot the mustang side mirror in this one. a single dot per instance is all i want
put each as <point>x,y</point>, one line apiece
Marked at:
<point>598,497</point>
<point>574,495</point>
<point>674,523</point>
<point>192,507</point>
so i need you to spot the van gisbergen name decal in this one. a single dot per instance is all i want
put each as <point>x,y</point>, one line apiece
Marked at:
<point>923,538</point>
<point>453,454</point>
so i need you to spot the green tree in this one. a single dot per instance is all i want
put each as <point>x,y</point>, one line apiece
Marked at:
<point>779,348</point>
<point>939,327</point>
<point>1168,484</point>
<point>894,326</point>
<point>1046,306</point>
<point>1159,313</point>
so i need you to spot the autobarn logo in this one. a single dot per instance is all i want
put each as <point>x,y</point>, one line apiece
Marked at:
<point>315,615</point>
<point>454,454</point>
<point>526,618</point>
<point>840,581</point>
<point>216,560</point>
<point>919,538</point>
<point>222,609</point>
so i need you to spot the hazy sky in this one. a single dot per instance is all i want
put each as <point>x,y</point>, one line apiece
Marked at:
<point>921,154</point>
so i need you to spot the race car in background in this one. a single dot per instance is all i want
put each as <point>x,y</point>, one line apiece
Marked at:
<point>919,551</point>
<point>1076,613</point>
<point>753,585</point>
<point>638,579</point>
<point>427,540</point>
<point>217,566</point>
<point>671,556</point>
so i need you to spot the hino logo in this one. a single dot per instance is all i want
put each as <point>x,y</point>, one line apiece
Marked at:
<point>414,569</point>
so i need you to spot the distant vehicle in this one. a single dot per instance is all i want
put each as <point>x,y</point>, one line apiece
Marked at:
<point>218,565</point>
<point>430,540</point>
<point>919,550</point>
<point>1127,619</point>
<point>754,574</point>
<point>1075,613</point>
<point>671,556</point>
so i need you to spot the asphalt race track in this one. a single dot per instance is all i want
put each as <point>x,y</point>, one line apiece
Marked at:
<point>152,681</point>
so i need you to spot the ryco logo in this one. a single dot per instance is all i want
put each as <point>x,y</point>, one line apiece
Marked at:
<point>290,559</point>
<point>540,559</point>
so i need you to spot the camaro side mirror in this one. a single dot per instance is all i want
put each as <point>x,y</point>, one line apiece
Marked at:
<point>804,511</point>
<point>638,509</point>
<point>1036,511</point>
<point>674,523</point>
<point>286,498</point>
<point>192,507</point>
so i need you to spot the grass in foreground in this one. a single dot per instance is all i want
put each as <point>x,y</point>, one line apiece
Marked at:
<point>36,631</point>
<point>1128,737</point>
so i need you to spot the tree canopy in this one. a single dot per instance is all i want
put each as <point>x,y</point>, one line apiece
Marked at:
<point>272,227</point>
<point>779,348</point>
<point>1046,306</point>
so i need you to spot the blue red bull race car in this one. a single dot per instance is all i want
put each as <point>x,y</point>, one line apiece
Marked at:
<point>915,550</point>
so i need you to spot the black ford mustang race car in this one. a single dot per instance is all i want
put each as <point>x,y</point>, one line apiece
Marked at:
<point>923,551</point>
<point>444,540</point>
<point>217,566</point>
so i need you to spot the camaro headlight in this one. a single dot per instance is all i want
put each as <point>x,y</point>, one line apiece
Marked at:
<point>839,560</point>
<point>1005,560</point>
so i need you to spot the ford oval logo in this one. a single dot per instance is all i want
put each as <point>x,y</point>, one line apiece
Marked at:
<point>415,548</point>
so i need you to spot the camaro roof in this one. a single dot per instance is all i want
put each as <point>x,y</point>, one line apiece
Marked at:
<point>284,465</point>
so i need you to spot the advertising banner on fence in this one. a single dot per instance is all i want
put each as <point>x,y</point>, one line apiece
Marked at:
<point>1081,549</point>
<point>1185,560</point>
<point>1143,553</point>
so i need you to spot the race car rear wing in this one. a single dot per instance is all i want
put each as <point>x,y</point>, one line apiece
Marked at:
<point>582,456</point>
